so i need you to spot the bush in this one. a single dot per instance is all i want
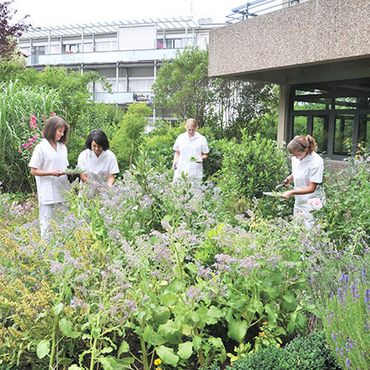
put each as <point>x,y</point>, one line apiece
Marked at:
<point>309,352</point>
<point>345,215</point>
<point>304,353</point>
<point>126,141</point>
<point>266,359</point>
<point>250,168</point>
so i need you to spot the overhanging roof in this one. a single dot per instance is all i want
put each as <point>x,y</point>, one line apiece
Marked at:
<point>108,27</point>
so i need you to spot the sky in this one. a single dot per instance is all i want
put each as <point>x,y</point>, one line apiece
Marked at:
<point>46,13</point>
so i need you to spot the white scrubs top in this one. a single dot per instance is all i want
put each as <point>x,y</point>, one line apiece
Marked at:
<point>50,189</point>
<point>190,147</point>
<point>309,169</point>
<point>98,168</point>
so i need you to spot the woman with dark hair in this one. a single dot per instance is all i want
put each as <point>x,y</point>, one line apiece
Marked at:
<point>307,175</point>
<point>97,161</point>
<point>48,163</point>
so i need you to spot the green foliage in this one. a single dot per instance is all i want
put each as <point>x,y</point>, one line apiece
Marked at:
<point>250,168</point>
<point>9,32</point>
<point>343,299</point>
<point>103,116</point>
<point>302,353</point>
<point>267,359</point>
<point>309,352</point>
<point>182,85</point>
<point>17,135</point>
<point>159,145</point>
<point>345,214</point>
<point>256,111</point>
<point>126,141</point>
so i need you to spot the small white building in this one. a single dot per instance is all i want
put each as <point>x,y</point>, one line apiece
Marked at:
<point>127,53</point>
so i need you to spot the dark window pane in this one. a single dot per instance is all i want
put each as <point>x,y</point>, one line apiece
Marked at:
<point>300,125</point>
<point>364,132</point>
<point>343,135</point>
<point>320,132</point>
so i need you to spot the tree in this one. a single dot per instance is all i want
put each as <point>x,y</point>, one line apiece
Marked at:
<point>8,32</point>
<point>126,141</point>
<point>182,86</point>
<point>183,89</point>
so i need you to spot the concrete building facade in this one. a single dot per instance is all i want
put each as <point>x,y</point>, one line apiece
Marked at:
<point>318,52</point>
<point>127,53</point>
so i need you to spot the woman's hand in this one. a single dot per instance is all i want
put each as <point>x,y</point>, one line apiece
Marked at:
<point>288,180</point>
<point>56,173</point>
<point>288,194</point>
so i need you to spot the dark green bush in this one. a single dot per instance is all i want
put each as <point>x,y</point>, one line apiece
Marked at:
<point>266,359</point>
<point>310,352</point>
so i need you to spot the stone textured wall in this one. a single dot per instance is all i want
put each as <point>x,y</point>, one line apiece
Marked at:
<point>316,31</point>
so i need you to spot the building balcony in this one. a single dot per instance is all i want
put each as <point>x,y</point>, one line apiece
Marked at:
<point>101,57</point>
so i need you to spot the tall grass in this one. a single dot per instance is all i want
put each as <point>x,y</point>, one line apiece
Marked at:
<point>17,104</point>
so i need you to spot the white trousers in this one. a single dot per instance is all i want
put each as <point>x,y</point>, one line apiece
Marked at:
<point>46,215</point>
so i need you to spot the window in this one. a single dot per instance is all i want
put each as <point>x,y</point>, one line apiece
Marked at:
<point>300,125</point>
<point>343,135</point>
<point>38,50</point>
<point>364,132</point>
<point>320,128</point>
<point>71,48</point>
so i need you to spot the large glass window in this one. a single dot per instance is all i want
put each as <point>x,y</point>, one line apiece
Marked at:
<point>320,127</point>
<point>300,125</point>
<point>364,132</point>
<point>343,135</point>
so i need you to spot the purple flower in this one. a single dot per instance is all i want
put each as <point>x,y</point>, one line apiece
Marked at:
<point>56,267</point>
<point>344,278</point>
<point>194,293</point>
<point>348,363</point>
<point>355,291</point>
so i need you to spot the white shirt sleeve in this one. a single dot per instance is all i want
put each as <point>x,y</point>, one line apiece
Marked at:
<point>176,146</point>
<point>205,148</point>
<point>113,165</point>
<point>316,172</point>
<point>37,158</point>
<point>81,162</point>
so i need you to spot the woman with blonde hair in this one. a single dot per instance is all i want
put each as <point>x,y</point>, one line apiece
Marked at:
<point>191,149</point>
<point>307,176</point>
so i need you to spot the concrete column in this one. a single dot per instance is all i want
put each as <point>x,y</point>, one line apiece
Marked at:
<point>117,76</point>
<point>82,39</point>
<point>284,93</point>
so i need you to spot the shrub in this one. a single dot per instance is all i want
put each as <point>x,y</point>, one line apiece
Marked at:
<point>310,352</point>
<point>250,168</point>
<point>266,359</point>
<point>346,215</point>
<point>307,353</point>
<point>126,141</point>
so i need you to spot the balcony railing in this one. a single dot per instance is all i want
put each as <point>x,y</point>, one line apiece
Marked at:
<point>257,7</point>
<point>113,98</point>
<point>102,57</point>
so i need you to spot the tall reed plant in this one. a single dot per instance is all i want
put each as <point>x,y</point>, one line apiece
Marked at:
<point>23,111</point>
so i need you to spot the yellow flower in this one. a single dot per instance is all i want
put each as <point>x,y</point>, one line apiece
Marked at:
<point>262,334</point>
<point>157,362</point>
<point>158,368</point>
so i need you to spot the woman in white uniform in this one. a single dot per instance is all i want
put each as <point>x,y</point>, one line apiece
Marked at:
<point>191,149</point>
<point>48,163</point>
<point>97,161</point>
<point>307,175</point>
